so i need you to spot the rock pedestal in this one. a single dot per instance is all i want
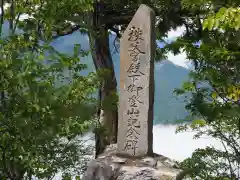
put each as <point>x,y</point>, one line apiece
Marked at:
<point>109,166</point>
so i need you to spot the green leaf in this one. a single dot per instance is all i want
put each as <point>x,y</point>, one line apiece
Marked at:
<point>211,22</point>
<point>77,177</point>
<point>237,26</point>
<point>222,10</point>
<point>214,95</point>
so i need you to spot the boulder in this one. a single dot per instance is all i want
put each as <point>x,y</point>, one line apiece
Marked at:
<point>111,166</point>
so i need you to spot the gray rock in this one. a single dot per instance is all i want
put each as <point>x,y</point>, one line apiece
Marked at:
<point>98,170</point>
<point>111,166</point>
<point>143,173</point>
<point>148,161</point>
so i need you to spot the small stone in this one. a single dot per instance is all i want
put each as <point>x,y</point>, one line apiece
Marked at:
<point>119,160</point>
<point>148,161</point>
<point>165,173</point>
<point>159,165</point>
<point>136,173</point>
<point>98,170</point>
<point>170,163</point>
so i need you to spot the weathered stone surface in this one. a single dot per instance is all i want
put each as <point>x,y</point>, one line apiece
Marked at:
<point>109,166</point>
<point>137,49</point>
<point>98,171</point>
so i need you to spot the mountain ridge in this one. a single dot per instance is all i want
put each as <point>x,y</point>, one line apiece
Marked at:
<point>168,76</point>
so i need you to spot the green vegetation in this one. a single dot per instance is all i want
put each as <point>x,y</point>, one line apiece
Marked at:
<point>217,105</point>
<point>46,104</point>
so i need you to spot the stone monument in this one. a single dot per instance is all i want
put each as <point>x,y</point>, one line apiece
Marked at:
<point>136,96</point>
<point>135,112</point>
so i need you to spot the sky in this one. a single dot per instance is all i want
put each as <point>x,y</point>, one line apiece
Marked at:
<point>179,59</point>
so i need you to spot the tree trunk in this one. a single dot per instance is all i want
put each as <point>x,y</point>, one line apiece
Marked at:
<point>99,43</point>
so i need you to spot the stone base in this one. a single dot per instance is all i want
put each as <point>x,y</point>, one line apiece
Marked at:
<point>109,166</point>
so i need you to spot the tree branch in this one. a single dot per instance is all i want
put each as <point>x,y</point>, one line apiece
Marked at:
<point>2,17</point>
<point>228,158</point>
<point>118,20</point>
<point>4,161</point>
<point>17,20</point>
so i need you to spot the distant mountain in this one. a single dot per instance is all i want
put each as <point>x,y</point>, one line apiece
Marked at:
<point>168,108</point>
<point>168,76</point>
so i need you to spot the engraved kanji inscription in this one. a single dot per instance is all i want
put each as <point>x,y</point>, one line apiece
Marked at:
<point>131,145</point>
<point>134,100</point>
<point>135,34</point>
<point>133,111</point>
<point>134,88</point>
<point>134,68</point>
<point>134,49</point>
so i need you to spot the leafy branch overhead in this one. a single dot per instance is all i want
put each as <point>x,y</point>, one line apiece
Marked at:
<point>211,42</point>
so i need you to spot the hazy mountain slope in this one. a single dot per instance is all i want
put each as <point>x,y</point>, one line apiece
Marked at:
<point>168,108</point>
<point>167,77</point>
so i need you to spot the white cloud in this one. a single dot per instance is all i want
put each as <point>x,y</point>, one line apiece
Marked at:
<point>173,147</point>
<point>172,34</point>
<point>180,59</point>
<point>24,16</point>
<point>5,6</point>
